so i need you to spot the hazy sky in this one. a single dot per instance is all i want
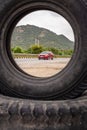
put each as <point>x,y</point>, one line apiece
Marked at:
<point>49,20</point>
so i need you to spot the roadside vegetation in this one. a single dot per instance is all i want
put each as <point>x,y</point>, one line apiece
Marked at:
<point>36,49</point>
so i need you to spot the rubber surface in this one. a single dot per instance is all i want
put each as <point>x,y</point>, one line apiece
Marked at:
<point>69,83</point>
<point>18,114</point>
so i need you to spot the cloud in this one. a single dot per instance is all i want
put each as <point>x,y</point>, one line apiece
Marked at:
<point>49,20</point>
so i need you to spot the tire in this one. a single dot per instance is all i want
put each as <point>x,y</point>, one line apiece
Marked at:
<point>45,115</point>
<point>72,80</point>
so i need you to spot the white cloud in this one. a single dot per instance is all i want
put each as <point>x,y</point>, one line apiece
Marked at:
<point>49,20</point>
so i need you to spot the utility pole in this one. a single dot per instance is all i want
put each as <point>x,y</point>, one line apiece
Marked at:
<point>37,41</point>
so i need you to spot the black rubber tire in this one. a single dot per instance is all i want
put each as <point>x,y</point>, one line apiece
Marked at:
<point>18,114</point>
<point>70,82</point>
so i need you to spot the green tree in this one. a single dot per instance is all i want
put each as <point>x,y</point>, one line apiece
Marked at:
<point>54,50</point>
<point>12,49</point>
<point>36,49</point>
<point>17,49</point>
<point>29,50</point>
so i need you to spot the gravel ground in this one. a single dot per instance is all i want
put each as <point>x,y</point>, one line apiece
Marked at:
<point>42,68</point>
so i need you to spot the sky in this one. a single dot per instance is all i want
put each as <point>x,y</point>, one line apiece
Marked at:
<point>49,20</point>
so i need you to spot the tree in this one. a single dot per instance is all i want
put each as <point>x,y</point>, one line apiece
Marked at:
<point>36,49</point>
<point>17,49</point>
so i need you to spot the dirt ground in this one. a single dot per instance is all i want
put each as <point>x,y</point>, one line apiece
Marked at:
<point>43,68</point>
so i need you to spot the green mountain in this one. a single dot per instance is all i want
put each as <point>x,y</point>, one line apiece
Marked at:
<point>26,35</point>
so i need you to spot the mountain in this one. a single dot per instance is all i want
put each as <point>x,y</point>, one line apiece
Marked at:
<point>26,35</point>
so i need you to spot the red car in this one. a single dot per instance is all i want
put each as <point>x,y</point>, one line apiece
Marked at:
<point>46,55</point>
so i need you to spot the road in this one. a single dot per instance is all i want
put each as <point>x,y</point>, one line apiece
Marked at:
<point>42,68</point>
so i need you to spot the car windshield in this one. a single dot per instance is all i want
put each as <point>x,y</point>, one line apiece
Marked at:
<point>45,52</point>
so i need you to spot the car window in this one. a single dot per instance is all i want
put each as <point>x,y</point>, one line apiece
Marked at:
<point>44,52</point>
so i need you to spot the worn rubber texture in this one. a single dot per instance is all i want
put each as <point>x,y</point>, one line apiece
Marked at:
<point>70,82</point>
<point>21,114</point>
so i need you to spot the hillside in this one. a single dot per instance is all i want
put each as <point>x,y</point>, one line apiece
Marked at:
<point>26,35</point>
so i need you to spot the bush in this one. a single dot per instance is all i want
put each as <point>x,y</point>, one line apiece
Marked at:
<point>17,49</point>
<point>36,49</point>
